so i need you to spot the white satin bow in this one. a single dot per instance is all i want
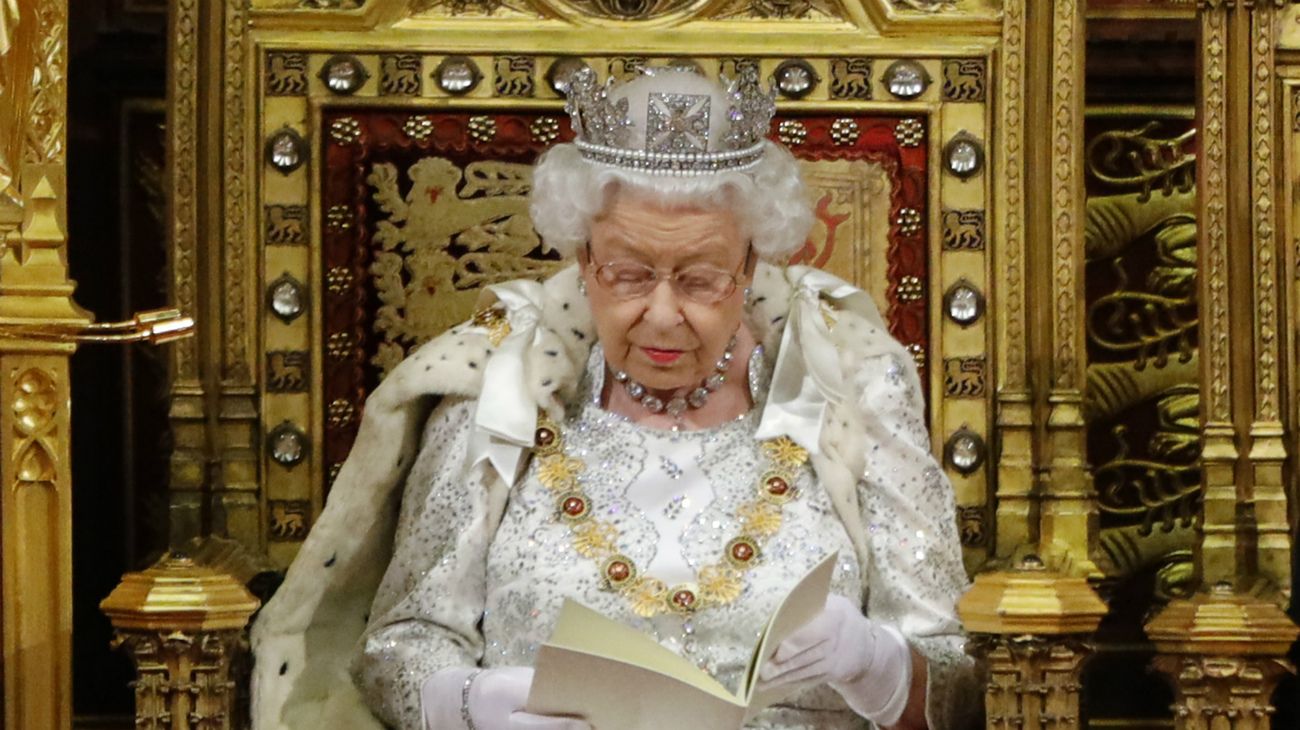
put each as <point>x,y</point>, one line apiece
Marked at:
<point>807,377</point>
<point>505,419</point>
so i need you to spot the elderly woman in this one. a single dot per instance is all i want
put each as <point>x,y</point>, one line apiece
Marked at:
<point>672,433</point>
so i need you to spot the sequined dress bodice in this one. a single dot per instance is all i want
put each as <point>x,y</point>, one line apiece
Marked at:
<point>673,497</point>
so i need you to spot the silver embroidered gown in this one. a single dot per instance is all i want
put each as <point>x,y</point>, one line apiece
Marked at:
<point>459,592</point>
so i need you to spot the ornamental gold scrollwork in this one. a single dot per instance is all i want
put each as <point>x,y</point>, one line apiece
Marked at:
<point>779,9</point>
<point>1138,158</point>
<point>926,6</point>
<point>454,232</point>
<point>629,9</point>
<point>36,402</point>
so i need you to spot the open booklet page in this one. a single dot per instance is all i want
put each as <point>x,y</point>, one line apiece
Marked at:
<point>618,678</point>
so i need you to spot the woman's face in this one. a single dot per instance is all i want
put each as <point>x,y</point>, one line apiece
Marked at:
<point>664,339</point>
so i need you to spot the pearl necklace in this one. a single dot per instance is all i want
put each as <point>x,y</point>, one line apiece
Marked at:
<point>677,405</point>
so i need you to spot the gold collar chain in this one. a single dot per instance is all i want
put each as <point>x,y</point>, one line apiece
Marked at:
<point>596,539</point>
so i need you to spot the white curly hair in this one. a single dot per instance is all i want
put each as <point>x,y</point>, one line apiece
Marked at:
<point>770,200</point>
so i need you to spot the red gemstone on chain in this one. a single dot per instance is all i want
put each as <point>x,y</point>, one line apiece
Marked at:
<point>574,506</point>
<point>777,486</point>
<point>742,551</point>
<point>684,598</point>
<point>618,571</point>
<point>545,436</point>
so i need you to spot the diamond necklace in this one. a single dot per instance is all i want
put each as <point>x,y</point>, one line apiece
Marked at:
<point>677,405</point>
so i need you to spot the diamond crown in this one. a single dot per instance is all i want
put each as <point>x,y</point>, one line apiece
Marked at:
<point>666,121</point>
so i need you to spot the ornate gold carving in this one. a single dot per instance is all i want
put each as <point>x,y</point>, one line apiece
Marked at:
<point>290,520</point>
<point>1263,110</point>
<point>36,402</point>
<point>182,626</point>
<point>732,67</point>
<point>964,79</point>
<point>625,67</point>
<point>850,78</point>
<point>236,365</point>
<point>1212,218</point>
<point>286,224</point>
<point>46,117</point>
<point>965,377</point>
<point>287,371</point>
<point>399,74</point>
<point>628,9</point>
<point>1137,158</point>
<point>1011,257</point>
<point>1223,653</point>
<point>1029,626</point>
<point>963,230</point>
<point>422,288</point>
<point>514,76</point>
<point>970,521</point>
<point>286,74</point>
<point>331,4</point>
<point>779,9</point>
<point>1066,127</point>
<point>182,121</point>
<point>926,6</point>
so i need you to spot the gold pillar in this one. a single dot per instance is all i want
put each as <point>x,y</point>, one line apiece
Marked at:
<point>1223,649</point>
<point>1030,628</point>
<point>1068,522</point>
<point>35,493</point>
<point>183,627</point>
<point>1016,512</point>
<point>1223,653</point>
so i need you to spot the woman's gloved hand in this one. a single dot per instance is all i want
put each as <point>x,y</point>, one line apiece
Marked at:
<point>867,662</point>
<point>495,701</point>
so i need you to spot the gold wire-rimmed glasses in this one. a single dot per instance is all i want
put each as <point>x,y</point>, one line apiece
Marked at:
<point>701,284</point>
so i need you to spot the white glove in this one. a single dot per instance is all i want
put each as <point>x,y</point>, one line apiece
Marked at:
<point>867,662</point>
<point>496,701</point>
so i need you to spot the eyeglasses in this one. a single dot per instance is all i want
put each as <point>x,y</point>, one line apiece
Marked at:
<point>700,284</point>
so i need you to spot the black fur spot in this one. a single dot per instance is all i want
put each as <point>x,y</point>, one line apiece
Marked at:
<point>460,343</point>
<point>473,365</point>
<point>284,668</point>
<point>565,306</point>
<point>442,357</point>
<point>547,383</point>
<point>330,563</point>
<point>776,320</point>
<point>578,333</point>
<point>427,368</point>
<point>760,300</point>
<point>552,353</point>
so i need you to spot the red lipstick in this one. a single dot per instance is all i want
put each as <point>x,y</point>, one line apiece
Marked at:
<point>662,357</point>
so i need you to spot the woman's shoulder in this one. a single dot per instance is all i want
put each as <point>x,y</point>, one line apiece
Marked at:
<point>541,329</point>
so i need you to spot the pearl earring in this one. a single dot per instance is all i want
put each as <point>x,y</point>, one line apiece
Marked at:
<point>582,287</point>
<point>749,295</point>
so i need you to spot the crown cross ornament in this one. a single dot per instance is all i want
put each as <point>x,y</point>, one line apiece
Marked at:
<point>667,121</point>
